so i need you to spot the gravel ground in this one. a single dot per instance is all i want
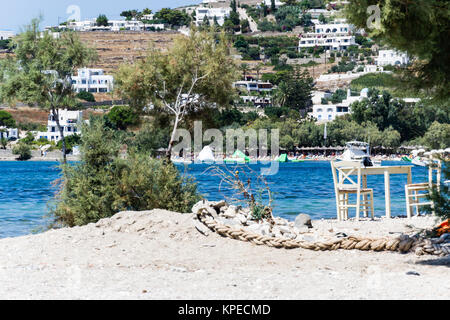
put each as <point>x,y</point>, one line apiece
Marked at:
<point>160,255</point>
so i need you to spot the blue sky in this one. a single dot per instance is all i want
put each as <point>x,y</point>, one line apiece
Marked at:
<point>17,13</point>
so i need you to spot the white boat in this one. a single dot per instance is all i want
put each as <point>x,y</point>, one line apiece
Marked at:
<point>356,150</point>
<point>418,161</point>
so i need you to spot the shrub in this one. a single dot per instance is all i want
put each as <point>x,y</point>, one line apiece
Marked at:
<point>102,183</point>
<point>120,117</point>
<point>23,150</point>
<point>86,96</point>
<point>6,119</point>
<point>71,141</point>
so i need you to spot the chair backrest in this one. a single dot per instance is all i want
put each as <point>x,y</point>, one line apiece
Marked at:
<point>435,165</point>
<point>345,169</point>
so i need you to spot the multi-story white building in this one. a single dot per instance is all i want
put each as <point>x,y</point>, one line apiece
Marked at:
<point>392,57</point>
<point>329,112</point>
<point>69,120</point>
<point>254,86</point>
<point>219,13</point>
<point>92,80</point>
<point>333,36</point>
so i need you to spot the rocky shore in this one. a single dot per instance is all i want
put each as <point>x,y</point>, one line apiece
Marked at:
<point>162,255</point>
<point>7,155</point>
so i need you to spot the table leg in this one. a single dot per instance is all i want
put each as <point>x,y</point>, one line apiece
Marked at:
<point>387,194</point>
<point>364,185</point>
<point>409,177</point>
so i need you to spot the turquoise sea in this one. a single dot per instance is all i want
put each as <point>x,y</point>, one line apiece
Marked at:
<point>306,187</point>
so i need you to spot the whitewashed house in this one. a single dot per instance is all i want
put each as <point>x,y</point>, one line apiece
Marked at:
<point>69,120</point>
<point>257,101</point>
<point>9,133</point>
<point>315,13</point>
<point>269,3</point>
<point>392,57</point>
<point>92,80</point>
<point>6,34</point>
<point>219,13</point>
<point>329,112</point>
<point>331,36</point>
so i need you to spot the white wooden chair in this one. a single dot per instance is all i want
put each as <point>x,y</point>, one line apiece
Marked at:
<point>344,186</point>
<point>414,192</point>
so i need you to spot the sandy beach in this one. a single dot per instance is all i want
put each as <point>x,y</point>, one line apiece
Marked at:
<point>6,155</point>
<point>160,255</point>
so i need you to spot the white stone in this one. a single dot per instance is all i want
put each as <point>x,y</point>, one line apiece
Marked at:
<point>242,219</point>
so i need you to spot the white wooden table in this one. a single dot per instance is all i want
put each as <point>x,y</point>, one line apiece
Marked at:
<point>386,171</point>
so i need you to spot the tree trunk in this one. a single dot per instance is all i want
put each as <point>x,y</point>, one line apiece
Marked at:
<point>172,138</point>
<point>61,133</point>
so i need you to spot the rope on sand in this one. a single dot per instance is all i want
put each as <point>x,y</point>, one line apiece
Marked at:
<point>403,243</point>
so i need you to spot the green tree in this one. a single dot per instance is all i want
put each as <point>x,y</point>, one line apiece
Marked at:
<point>40,72</point>
<point>173,17</point>
<point>86,96</point>
<point>245,26</point>
<point>294,91</point>
<point>244,68</point>
<point>197,71</point>
<point>418,27</point>
<point>205,21</point>
<point>130,14</point>
<point>102,20</point>
<point>273,8</point>
<point>6,119</point>
<point>121,117</point>
<point>23,150</point>
<point>438,136</point>
<point>3,139</point>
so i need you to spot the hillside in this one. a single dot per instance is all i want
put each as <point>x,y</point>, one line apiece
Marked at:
<point>114,48</point>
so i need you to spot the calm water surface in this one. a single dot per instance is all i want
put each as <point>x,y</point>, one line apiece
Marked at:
<point>307,187</point>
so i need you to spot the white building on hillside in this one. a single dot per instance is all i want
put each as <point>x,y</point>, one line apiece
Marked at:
<point>9,133</point>
<point>333,36</point>
<point>69,120</point>
<point>392,57</point>
<point>258,86</point>
<point>114,25</point>
<point>269,3</point>
<point>315,13</point>
<point>6,34</point>
<point>329,112</point>
<point>219,13</point>
<point>92,80</point>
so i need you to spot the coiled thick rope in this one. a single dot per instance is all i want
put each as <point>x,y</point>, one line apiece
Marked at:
<point>403,243</point>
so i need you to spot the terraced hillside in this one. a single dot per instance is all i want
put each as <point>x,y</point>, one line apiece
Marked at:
<point>114,48</point>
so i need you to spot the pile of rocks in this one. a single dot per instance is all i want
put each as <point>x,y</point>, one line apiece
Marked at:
<point>241,218</point>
